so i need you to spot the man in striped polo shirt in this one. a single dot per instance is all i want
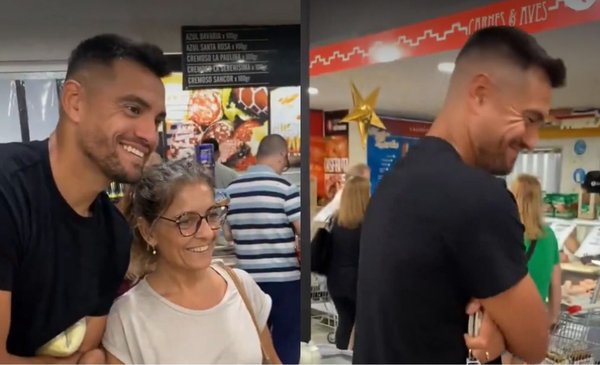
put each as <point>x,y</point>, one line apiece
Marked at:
<point>264,216</point>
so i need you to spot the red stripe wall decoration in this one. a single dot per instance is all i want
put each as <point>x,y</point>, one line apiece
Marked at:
<point>450,32</point>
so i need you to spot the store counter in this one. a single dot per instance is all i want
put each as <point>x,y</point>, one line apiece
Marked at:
<point>579,268</point>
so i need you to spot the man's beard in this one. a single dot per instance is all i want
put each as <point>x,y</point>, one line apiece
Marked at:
<point>109,162</point>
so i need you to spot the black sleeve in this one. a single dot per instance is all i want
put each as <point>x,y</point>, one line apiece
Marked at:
<point>489,248</point>
<point>9,239</point>
<point>115,276</point>
<point>104,307</point>
<point>107,300</point>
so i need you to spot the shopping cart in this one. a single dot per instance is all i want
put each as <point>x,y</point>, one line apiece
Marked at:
<point>576,337</point>
<point>322,308</point>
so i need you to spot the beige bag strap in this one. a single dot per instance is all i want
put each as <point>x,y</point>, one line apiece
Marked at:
<point>240,288</point>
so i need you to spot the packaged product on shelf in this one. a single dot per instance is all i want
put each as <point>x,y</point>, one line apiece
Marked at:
<point>588,205</point>
<point>548,207</point>
<point>565,205</point>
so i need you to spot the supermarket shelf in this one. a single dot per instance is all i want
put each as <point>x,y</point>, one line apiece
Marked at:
<point>579,222</point>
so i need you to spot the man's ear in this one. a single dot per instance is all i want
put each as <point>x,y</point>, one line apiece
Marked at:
<point>479,91</point>
<point>146,232</point>
<point>71,100</point>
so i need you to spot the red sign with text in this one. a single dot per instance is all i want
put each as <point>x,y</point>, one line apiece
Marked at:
<point>450,32</point>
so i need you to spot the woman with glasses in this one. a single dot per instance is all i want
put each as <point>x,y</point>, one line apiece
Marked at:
<point>184,308</point>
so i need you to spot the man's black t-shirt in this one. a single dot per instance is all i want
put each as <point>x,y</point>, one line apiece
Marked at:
<point>436,234</point>
<point>58,265</point>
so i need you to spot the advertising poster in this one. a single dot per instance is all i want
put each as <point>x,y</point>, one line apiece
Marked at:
<point>317,166</point>
<point>329,157</point>
<point>335,164</point>
<point>236,117</point>
<point>285,119</point>
<point>384,147</point>
<point>336,158</point>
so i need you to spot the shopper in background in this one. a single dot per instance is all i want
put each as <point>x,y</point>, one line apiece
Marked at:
<point>184,310</point>
<point>544,263</point>
<point>343,268</point>
<point>223,174</point>
<point>324,214</point>
<point>441,230</point>
<point>264,217</point>
<point>64,247</point>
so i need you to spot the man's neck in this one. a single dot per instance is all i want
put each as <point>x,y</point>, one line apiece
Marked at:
<point>77,183</point>
<point>267,162</point>
<point>447,127</point>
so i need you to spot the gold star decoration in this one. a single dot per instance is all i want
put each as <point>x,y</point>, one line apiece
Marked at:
<point>364,113</point>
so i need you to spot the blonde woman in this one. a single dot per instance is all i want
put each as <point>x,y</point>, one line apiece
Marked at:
<point>543,257</point>
<point>343,269</point>
<point>324,214</point>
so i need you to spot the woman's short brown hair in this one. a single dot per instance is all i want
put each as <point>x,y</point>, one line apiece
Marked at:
<point>152,195</point>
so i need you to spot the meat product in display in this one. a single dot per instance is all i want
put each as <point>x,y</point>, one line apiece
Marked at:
<point>221,131</point>
<point>254,101</point>
<point>244,132</point>
<point>242,158</point>
<point>204,107</point>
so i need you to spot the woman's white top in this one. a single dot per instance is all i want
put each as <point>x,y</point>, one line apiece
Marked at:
<point>145,328</point>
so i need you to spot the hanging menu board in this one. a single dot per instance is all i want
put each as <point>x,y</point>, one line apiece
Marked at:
<point>240,56</point>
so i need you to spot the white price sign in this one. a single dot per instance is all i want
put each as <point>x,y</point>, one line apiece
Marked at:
<point>562,230</point>
<point>591,244</point>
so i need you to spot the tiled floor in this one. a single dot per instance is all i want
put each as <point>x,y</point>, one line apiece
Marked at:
<point>320,332</point>
<point>329,353</point>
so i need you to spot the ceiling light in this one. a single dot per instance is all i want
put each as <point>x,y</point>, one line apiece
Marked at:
<point>381,53</point>
<point>313,90</point>
<point>446,67</point>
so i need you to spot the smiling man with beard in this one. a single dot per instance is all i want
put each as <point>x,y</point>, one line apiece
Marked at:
<point>441,230</point>
<point>64,247</point>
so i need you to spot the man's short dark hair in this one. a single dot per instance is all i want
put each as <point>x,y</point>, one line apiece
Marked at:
<point>104,49</point>
<point>271,145</point>
<point>516,46</point>
<point>212,141</point>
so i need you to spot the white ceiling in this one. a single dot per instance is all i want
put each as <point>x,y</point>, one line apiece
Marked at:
<point>414,88</point>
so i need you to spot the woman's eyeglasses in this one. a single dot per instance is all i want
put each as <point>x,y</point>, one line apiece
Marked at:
<point>189,223</point>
